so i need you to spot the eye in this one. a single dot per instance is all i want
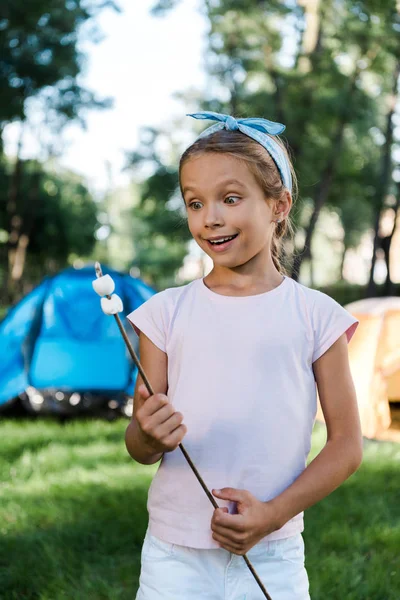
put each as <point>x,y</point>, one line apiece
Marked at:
<point>232,199</point>
<point>195,205</point>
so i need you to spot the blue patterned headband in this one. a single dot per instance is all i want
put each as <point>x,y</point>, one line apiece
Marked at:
<point>256,129</point>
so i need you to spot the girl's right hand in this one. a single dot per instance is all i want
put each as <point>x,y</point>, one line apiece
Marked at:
<point>160,425</point>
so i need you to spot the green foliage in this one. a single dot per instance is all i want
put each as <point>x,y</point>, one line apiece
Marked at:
<point>44,217</point>
<point>57,212</point>
<point>66,219</point>
<point>344,292</point>
<point>160,233</point>
<point>115,213</point>
<point>246,58</point>
<point>38,53</point>
<point>328,86</point>
<point>160,229</point>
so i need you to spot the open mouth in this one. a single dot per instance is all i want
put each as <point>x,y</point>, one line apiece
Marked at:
<point>222,243</point>
<point>223,240</point>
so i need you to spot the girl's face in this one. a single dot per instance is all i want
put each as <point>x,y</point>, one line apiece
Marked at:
<point>228,214</point>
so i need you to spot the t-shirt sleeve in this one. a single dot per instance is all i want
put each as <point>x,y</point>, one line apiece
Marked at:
<point>330,321</point>
<point>152,319</point>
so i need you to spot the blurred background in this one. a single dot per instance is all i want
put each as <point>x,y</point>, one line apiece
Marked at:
<point>92,123</point>
<point>93,104</point>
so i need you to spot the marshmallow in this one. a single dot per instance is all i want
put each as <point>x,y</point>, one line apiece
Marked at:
<point>104,286</point>
<point>111,306</point>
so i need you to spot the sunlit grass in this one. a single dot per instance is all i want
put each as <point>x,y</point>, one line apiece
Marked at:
<point>73,516</point>
<point>72,511</point>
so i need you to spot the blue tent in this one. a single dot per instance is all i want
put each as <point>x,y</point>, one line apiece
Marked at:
<point>57,337</point>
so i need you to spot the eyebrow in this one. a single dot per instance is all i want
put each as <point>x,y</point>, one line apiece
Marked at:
<point>225,183</point>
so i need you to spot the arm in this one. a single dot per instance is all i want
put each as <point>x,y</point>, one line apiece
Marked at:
<point>342,453</point>
<point>339,458</point>
<point>154,363</point>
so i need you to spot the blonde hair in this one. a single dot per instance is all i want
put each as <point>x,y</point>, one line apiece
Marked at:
<point>261,165</point>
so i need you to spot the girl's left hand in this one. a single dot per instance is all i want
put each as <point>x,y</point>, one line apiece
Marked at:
<point>239,532</point>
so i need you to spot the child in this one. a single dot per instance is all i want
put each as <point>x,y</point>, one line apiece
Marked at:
<point>234,359</point>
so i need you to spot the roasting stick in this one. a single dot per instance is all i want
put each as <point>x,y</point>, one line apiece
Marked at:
<point>111,304</point>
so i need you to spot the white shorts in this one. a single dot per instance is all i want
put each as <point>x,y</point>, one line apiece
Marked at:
<point>173,572</point>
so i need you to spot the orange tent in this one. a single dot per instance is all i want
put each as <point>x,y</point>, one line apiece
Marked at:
<point>374,354</point>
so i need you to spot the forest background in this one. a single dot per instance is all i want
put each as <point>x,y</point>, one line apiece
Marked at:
<point>328,70</point>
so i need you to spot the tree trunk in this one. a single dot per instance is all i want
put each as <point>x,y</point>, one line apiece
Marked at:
<point>389,289</point>
<point>320,199</point>
<point>308,58</point>
<point>342,260</point>
<point>311,38</point>
<point>19,262</point>
<point>14,220</point>
<point>278,97</point>
<point>312,270</point>
<point>383,183</point>
<point>324,186</point>
<point>277,79</point>
<point>233,101</point>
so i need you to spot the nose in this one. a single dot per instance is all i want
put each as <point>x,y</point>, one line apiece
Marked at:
<point>213,216</point>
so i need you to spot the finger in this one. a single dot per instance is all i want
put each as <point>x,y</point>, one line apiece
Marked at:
<point>143,391</point>
<point>156,417</point>
<point>232,534</point>
<point>159,426</point>
<point>227,543</point>
<point>218,511</point>
<point>155,403</point>
<point>228,521</point>
<point>169,426</point>
<point>173,440</point>
<point>233,494</point>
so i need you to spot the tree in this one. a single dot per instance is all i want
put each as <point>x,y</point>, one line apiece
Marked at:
<point>325,86</point>
<point>159,228</point>
<point>383,183</point>
<point>57,217</point>
<point>39,54</point>
<point>39,65</point>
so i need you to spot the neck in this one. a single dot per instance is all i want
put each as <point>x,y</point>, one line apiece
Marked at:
<point>258,276</point>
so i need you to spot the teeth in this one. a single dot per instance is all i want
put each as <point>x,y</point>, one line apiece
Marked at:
<point>222,240</point>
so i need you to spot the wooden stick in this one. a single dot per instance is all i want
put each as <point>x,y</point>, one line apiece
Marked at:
<point>135,359</point>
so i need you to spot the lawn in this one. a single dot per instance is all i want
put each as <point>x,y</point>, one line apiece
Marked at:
<point>73,516</point>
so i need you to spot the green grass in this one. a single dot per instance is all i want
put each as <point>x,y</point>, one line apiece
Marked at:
<point>353,536</point>
<point>73,516</point>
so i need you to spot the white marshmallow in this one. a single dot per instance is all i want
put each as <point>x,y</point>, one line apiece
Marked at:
<point>104,286</point>
<point>111,306</point>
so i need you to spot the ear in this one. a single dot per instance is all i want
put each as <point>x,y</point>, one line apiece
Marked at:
<point>284,205</point>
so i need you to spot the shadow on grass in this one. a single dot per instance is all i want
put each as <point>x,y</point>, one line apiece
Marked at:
<point>91,552</point>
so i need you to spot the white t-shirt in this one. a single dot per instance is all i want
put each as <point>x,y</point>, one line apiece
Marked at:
<point>240,372</point>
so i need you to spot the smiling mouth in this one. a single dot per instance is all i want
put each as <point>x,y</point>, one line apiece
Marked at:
<point>223,240</point>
